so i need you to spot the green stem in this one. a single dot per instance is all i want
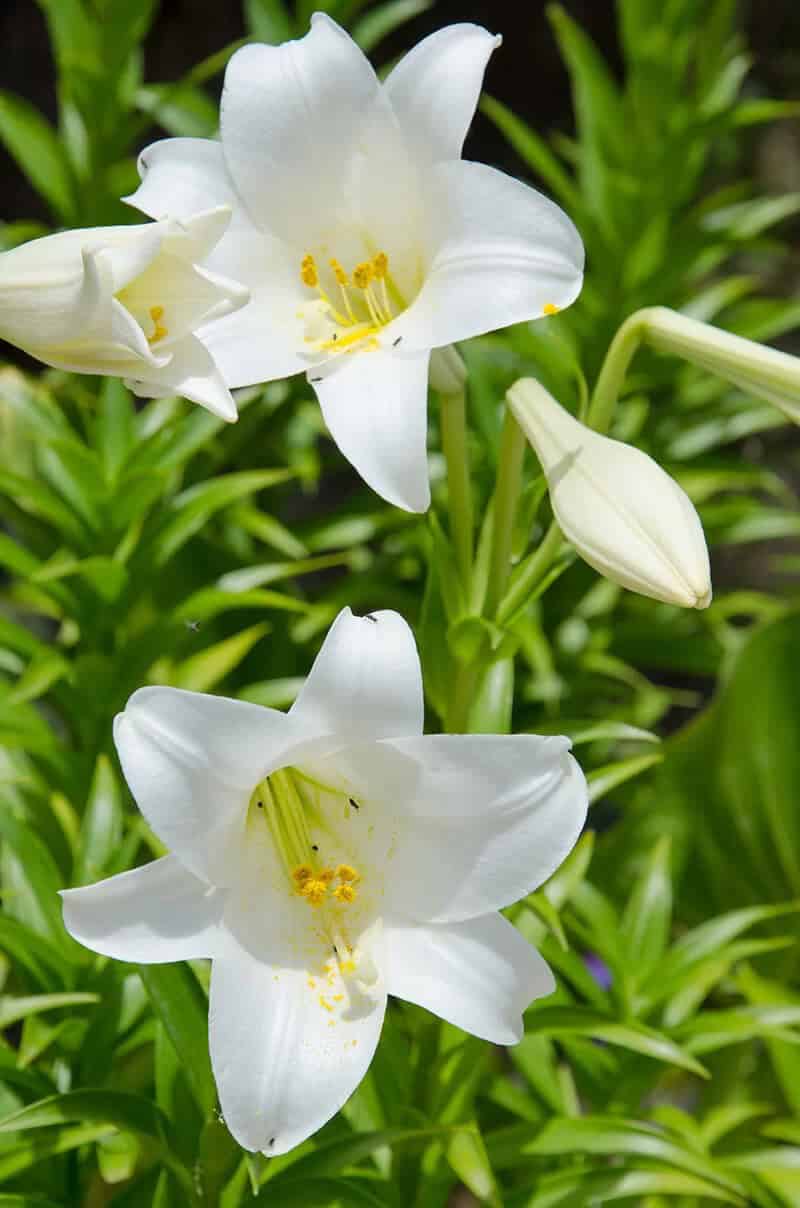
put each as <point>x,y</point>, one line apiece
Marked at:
<point>459,487</point>
<point>620,353</point>
<point>506,500</point>
<point>465,686</point>
<point>531,573</point>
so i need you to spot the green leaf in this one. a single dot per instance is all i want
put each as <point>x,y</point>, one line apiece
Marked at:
<point>181,1006</point>
<point>580,1021</point>
<point>203,671</point>
<point>131,1112</point>
<point>13,1009</point>
<point>646,919</point>
<point>383,20</point>
<point>193,508</point>
<point>35,146</point>
<point>101,827</point>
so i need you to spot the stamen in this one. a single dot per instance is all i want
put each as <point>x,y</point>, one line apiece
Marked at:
<point>314,891</point>
<point>302,873</point>
<point>308,272</point>
<point>157,314</point>
<point>344,893</point>
<point>345,872</point>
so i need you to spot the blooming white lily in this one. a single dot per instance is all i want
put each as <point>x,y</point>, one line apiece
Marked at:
<point>364,238</point>
<point>328,857</point>
<point>624,514</point>
<point>125,301</point>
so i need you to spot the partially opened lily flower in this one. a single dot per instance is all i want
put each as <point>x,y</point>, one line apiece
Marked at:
<point>328,857</point>
<point>125,301</point>
<point>365,239</point>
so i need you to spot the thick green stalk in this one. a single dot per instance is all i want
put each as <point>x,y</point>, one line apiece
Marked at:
<point>459,487</point>
<point>531,573</point>
<point>607,388</point>
<point>506,500</point>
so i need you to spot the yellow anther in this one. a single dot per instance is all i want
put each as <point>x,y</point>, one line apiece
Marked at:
<point>338,997</point>
<point>344,893</point>
<point>380,265</point>
<point>339,273</point>
<point>323,1002</point>
<point>302,873</point>
<point>157,314</point>
<point>325,875</point>
<point>363,274</point>
<point>308,272</point>
<point>314,891</point>
<point>345,872</point>
<point>550,308</point>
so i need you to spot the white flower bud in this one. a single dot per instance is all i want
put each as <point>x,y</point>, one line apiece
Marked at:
<point>125,301</point>
<point>624,514</point>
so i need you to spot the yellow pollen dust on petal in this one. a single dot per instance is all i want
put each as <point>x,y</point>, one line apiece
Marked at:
<point>159,331</point>
<point>550,308</point>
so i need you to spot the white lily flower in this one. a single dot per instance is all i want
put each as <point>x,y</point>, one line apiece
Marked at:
<point>625,516</point>
<point>328,857</point>
<point>125,301</point>
<point>365,240</point>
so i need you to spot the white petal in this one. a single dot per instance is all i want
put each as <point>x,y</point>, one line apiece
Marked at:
<point>190,373</point>
<point>472,822</point>
<point>434,89</point>
<point>283,1062</point>
<point>192,762</point>
<point>375,405</point>
<point>291,117</point>
<point>366,680</point>
<point>153,914</point>
<point>263,341</point>
<point>498,253</point>
<point>53,294</point>
<point>182,177</point>
<point>479,975</point>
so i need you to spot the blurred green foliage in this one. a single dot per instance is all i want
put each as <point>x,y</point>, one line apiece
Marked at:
<point>153,543</point>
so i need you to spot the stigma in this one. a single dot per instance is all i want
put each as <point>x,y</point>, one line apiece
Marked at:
<point>353,312</point>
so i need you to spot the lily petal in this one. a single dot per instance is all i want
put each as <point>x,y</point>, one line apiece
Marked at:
<point>375,405</point>
<point>182,177</point>
<point>499,253</point>
<point>479,975</point>
<point>283,1062</point>
<point>191,762</point>
<point>366,680</point>
<point>473,822</point>
<point>191,373</point>
<point>153,914</point>
<point>434,89</point>
<point>291,115</point>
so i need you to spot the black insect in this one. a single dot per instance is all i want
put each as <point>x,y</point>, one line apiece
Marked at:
<point>396,342</point>
<point>314,847</point>
<point>354,804</point>
<point>369,617</point>
<point>319,379</point>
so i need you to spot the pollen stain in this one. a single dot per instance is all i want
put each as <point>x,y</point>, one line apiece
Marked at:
<point>550,308</point>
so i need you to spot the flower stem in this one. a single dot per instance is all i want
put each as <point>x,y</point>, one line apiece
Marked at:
<point>620,353</point>
<point>506,500</point>
<point>459,487</point>
<point>531,573</point>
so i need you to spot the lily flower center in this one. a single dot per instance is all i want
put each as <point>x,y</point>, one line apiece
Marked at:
<point>348,311</point>
<point>286,799</point>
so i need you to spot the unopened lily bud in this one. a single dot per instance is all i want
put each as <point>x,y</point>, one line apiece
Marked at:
<point>624,514</point>
<point>126,301</point>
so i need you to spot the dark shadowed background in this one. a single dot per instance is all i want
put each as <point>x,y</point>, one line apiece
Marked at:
<point>526,74</point>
